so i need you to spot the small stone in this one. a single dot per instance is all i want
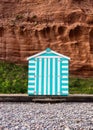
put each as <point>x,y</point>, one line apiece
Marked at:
<point>78,121</point>
<point>67,128</point>
<point>16,127</point>
<point>5,129</point>
<point>32,121</point>
<point>1,128</point>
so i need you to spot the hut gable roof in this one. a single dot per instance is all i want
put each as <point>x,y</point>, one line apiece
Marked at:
<point>48,53</point>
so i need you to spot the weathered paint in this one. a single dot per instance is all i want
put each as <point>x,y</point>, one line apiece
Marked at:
<point>48,74</point>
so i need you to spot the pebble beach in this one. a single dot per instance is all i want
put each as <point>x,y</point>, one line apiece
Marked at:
<point>46,116</point>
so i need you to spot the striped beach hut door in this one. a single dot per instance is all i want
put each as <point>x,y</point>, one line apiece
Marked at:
<point>47,76</point>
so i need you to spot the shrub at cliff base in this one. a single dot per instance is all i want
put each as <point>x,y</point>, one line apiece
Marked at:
<point>13,78</point>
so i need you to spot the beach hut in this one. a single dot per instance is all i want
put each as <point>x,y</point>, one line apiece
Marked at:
<point>48,73</point>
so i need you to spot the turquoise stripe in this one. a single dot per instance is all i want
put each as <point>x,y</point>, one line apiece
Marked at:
<point>65,89</point>
<point>47,77</point>
<point>65,69</point>
<point>31,83</point>
<point>63,59</point>
<point>37,77</point>
<point>31,74</point>
<point>56,75</point>
<point>31,79</point>
<point>31,59</point>
<point>66,79</point>
<point>65,94</point>
<point>64,64</point>
<point>30,93</point>
<point>31,68</point>
<point>48,54</point>
<point>51,63</point>
<point>64,84</point>
<point>42,77</point>
<point>32,64</point>
<point>64,74</point>
<point>31,89</point>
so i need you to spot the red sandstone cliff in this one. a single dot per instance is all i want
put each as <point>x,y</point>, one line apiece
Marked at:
<point>30,26</point>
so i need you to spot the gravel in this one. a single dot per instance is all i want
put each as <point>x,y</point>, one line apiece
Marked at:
<point>35,116</point>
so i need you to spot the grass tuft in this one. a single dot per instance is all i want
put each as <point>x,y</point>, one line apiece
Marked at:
<point>81,85</point>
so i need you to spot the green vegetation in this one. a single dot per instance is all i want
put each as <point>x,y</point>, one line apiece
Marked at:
<point>19,17</point>
<point>81,85</point>
<point>34,16</point>
<point>13,79</point>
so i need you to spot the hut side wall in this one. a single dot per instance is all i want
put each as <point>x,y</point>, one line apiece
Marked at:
<point>64,76</point>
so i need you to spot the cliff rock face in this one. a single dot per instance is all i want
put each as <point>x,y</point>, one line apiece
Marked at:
<point>30,26</point>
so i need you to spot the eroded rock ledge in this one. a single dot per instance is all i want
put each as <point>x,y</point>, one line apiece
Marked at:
<point>30,26</point>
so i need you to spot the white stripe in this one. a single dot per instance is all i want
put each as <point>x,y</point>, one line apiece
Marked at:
<point>48,57</point>
<point>31,86</point>
<point>64,71</point>
<point>64,76</point>
<point>40,78</point>
<point>53,73</point>
<point>65,81</point>
<point>64,66</point>
<point>31,81</point>
<point>32,71</point>
<point>35,75</point>
<point>65,92</point>
<point>30,66</point>
<point>65,61</point>
<point>31,61</point>
<point>58,77</point>
<point>30,91</point>
<point>31,76</point>
<point>45,76</point>
<point>60,54</point>
<point>48,76</point>
<point>64,86</point>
